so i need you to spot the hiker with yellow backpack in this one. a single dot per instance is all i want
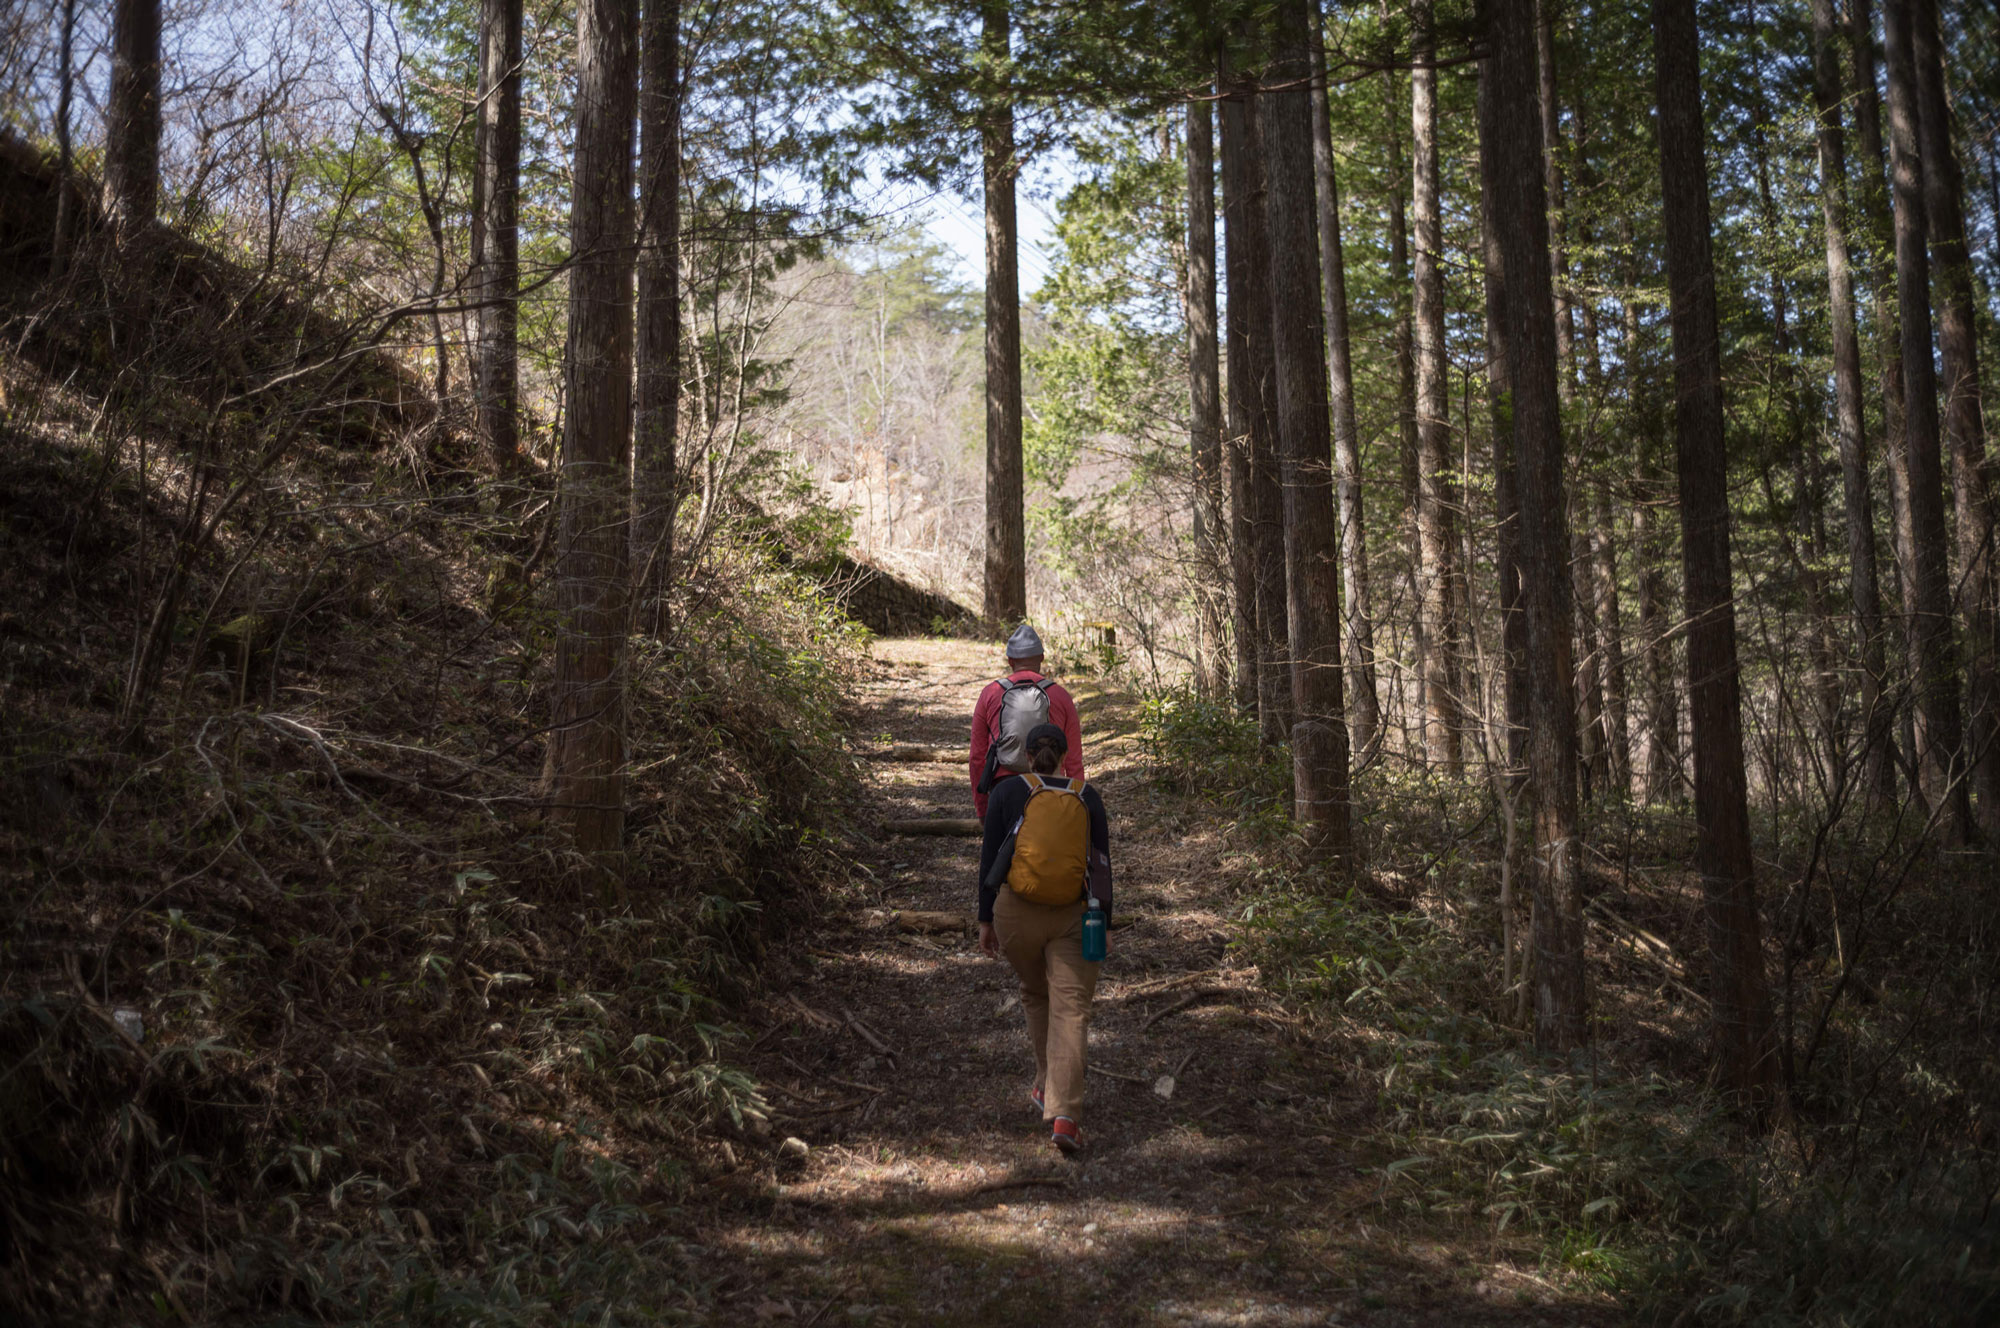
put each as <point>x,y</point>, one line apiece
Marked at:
<point>1045,904</point>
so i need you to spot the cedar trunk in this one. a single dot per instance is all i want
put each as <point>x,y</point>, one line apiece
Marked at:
<point>1253,386</point>
<point>1241,401</point>
<point>496,234</point>
<point>1506,500</point>
<point>1006,597</point>
<point>1312,533</point>
<point>1510,168</point>
<point>1851,435</point>
<point>1740,1000</point>
<point>587,741</point>
<point>1205,403</point>
<point>1406,422</point>
<point>1933,645</point>
<point>1964,425</point>
<point>1436,495</point>
<point>656,422</point>
<point>1365,713</point>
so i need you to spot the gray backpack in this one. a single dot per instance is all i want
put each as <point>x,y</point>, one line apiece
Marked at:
<point>1023,705</point>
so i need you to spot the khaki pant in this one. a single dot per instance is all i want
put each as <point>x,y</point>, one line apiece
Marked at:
<point>1045,946</point>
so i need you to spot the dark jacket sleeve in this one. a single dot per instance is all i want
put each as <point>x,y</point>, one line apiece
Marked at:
<point>1098,877</point>
<point>1001,812</point>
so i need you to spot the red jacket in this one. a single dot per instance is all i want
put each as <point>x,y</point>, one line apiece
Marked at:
<point>986,719</point>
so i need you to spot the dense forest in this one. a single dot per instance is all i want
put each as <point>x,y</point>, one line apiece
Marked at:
<point>508,505</point>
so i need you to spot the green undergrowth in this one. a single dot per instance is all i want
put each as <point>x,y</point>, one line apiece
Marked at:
<point>306,1012</point>
<point>1874,1205</point>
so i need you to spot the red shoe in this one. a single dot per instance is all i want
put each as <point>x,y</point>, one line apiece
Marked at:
<point>1063,1133</point>
<point>1035,1096</point>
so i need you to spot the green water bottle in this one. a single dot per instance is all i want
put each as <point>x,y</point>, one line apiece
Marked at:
<point>1096,931</point>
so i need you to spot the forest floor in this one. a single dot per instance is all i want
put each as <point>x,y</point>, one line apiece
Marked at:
<point>1229,1175</point>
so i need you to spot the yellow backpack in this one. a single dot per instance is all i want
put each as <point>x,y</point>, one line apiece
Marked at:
<point>1050,843</point>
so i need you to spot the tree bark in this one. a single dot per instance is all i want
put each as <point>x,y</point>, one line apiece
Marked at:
<point>496,234</point>
<point>1436,494</point>
<point>1365,709</point>
<point>656,422</point>
<point>1511,167</point>
<point>1006,595</point>
<point>65,157</point>
<point>1506,499</point>
<point>1552,182</point>
<point>1242,400</point>
<point>1312,532</point>
<point>1874,214</point>
<point>1852,439</point>
<point>1964,425</point>
<point>1249,260</point>
<point>1205,403</point>
<point>1406,421</point>
<point>1740,999</point>
<point>587,741</point>
<point>1611,634</point>
<point>132,117</point>
<point>1933,645</point>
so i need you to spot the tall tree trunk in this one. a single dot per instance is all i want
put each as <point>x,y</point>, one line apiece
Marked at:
<point>1590,737</point>
<point>1312,532</point>
<point>1365,709</point>
<point>1252,387</point>
<point>656,423</point>
<point>65,158</point>
<point>1964,425</point>
<point>132,117</point>
<point>1874,213</point>
<point>587,741</point>
<point>1740,999</point>
<point>1863,584</point>
<point>1006,598</point>
<point>1611,631</point>
<point>1205,402</point>
<point>1406,422</point>
<point>1510,166</point>
<point>496,233</point>
<point>1240,387</point>
<point>1926,592</point>
<point>1506,500</point>
<point>1552,182</point>
<point>1436,496</point>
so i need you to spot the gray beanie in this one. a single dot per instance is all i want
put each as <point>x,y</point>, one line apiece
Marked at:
<point>1024,643</point>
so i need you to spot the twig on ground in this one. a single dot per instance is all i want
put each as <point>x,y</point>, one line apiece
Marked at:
<point>1015,1182</point>
<point>1113,1074</point>
<point>867,1034</point>
<point>1191,998</point>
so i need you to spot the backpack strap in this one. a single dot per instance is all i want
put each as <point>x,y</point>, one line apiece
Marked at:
<point>1034,781</point>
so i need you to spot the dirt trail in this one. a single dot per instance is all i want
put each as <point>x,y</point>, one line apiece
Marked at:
<point>931,1194</point>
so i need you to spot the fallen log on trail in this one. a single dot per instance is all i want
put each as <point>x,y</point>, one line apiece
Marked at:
<point>910,752</point>
<point>941,825</point>
<point>934,923</point>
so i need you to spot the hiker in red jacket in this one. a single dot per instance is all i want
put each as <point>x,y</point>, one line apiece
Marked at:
<point>1000,725</point>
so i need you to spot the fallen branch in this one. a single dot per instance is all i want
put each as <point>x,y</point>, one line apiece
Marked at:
<point>1113,1074</point>
<point>934,922</point>
<point>1014,1183</point>
<point>1648,946</point>
<point>867,1034</point>
<point>1185,1001</point>
<point>964,827</point>
<point>918,755</point>
<point>812,1016</point>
